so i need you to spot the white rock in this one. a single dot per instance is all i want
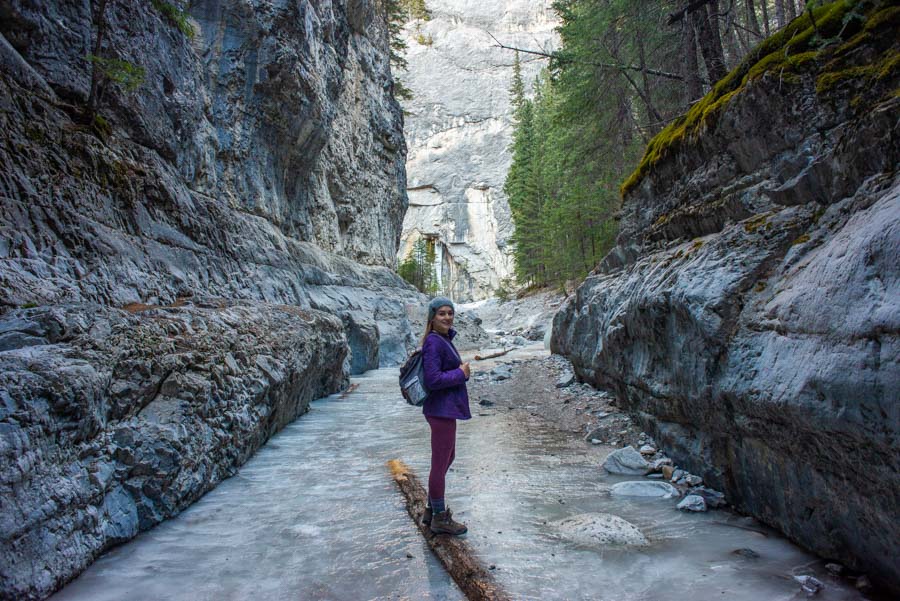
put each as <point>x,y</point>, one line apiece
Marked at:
<point>626,461</point>
<point>644,488</point>
<point>810,585</point>
<point>600,529</point>
<point>692,503</point>
<point>693,480</point>
<point>647,450</point>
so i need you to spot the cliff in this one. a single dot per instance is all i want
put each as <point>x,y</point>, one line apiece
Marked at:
<point>184,272</point>
<point>749,313</point>
<point>459,128</point>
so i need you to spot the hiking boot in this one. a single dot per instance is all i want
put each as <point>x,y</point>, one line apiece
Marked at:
<point>426,517</point>
<point>442,523</point>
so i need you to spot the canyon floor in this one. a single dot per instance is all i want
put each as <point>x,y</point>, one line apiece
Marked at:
<point>314,514</point>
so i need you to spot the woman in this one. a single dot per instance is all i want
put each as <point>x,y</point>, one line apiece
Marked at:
<point>447,401</point>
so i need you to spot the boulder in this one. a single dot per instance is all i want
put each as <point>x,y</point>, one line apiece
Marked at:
<point>692,503</point>
<point>643,488</point>
<point>603,529</point>
<point>626,461</point>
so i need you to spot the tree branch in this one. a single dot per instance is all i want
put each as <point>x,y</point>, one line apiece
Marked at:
<point>616,67</point>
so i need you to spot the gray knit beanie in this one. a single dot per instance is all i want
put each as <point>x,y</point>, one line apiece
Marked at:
<point>436,303</point>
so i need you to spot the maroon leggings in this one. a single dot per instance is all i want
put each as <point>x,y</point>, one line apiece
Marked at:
<point>443,451</point>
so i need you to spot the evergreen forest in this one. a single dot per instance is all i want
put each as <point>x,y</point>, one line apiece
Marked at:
<point>625,69</point>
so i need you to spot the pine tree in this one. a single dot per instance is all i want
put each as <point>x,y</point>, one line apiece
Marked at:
<point>418,268</point>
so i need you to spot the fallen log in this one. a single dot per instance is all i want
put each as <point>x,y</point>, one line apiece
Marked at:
<point>454,553</point>
<point>500,354</point>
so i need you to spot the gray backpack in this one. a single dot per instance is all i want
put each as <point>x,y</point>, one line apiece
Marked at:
<point>412,380</point>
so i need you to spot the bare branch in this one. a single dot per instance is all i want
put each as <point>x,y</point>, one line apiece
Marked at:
<point>616,67</point>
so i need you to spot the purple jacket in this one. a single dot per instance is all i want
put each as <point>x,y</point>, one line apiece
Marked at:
<point>446,382</point>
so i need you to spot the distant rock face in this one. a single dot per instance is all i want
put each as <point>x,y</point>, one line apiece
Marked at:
<point>459,128</point>
<point>750,311</point>
<point>179,278</point>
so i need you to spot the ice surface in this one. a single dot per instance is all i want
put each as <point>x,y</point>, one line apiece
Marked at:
<point>314,515</point>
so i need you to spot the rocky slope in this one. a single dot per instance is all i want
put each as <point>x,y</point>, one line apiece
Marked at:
<point>458,129</point>
<point>183,274</point>
<point>749,314</point>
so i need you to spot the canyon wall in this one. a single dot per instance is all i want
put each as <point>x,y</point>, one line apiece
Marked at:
<point>749,314</point>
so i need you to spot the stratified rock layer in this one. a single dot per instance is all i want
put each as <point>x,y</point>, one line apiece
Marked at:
<point>114,420</point>
<point>750,311</point>
<point>459,128</point>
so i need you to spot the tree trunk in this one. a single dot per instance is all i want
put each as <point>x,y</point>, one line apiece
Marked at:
<point>765,16</point>
<point>710,43</point>
<point>752,20</point>
<point>689,66</point>
<point>779,13</point>
<point>93,101</point>
<point>454,553</point>
<point>791,10</point>
<point>734,40</point>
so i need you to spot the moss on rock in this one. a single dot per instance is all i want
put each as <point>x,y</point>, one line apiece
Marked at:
<point>813,42</point>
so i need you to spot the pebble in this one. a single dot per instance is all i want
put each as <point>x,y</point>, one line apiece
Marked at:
<point>658,464</point>
<point>692,503</point>
<point>692,480</point>
<point>745,552</point>
<point>810,585</point>
<point>713,498</point>
<point>565,380</point>
<point>667,471</point>
<point>863,583</point>
<point>676,475</point>
<point>835,568</point>
<point>647,450</point>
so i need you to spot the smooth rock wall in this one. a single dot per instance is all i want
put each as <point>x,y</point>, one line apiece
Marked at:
<point>751,309</point>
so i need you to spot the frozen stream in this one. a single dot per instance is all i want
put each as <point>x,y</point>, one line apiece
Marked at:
<point>314,515</point>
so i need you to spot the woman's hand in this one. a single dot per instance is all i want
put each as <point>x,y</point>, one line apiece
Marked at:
<point>465,369</point>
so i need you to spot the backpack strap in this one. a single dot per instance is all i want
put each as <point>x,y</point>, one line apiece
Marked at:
<point>448,343</point>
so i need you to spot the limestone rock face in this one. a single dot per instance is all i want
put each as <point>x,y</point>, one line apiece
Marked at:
<point>750,311</point>
<point>458,129</point>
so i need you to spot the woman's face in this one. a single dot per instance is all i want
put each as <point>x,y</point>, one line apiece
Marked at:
<point>443,320</point>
